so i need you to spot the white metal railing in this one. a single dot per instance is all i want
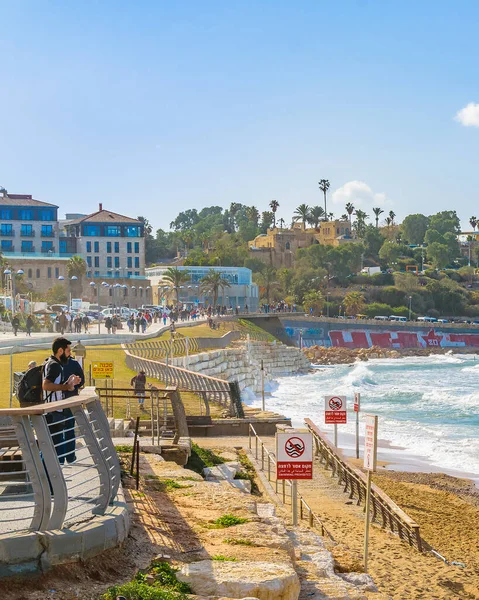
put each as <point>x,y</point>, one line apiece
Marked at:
<point>305,511</point>
<point>58,465</point>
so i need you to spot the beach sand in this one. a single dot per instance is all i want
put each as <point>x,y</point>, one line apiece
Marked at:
<point>446,508</point>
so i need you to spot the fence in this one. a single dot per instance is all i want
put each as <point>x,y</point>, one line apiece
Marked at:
<point>178,346</point>
<point>383,510</point>
<point>305,511</point>
<point>209,388</point>
<point>56,468</point>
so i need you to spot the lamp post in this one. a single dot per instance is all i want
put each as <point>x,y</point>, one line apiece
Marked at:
<point>8,287</point>
<point>410,306</point>
<point>93,285</point>
<point>69,293</point>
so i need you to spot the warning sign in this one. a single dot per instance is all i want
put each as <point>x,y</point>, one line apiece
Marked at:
<point>294,452</point>
<point>371,443</point>
<point>335,410</point>
<point>102,370</point>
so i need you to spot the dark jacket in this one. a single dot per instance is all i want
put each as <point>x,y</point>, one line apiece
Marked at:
<point>73,367</point>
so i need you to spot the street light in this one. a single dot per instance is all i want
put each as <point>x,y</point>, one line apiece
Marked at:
<point>69,295</point>
<point>410,304</point>
<point>93,285</point>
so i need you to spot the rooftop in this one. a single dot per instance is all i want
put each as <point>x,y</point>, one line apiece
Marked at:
<point>22,200</point>
<point>104,216</point>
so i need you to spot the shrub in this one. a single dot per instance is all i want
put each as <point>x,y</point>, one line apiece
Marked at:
<point>201,458</point>
<point>223,558</point>
<point>378,309</point>
<point>228,520</point>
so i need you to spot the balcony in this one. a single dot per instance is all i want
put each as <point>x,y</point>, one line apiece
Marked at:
<point>27,233</point>
<point>28,250</point>
<point>7,233</point>
<point>10,253</point>
<point>47,234</point>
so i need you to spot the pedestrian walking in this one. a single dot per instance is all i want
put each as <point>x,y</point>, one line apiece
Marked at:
<point>15,324</point>
<point>108,324</point>
<point>86,323</point>
<point>29,325</point>
<point>139,384</point>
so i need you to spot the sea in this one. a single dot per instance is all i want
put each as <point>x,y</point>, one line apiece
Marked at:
<point>428,408</point>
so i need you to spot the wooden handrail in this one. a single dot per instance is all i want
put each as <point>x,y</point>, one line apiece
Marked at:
<point>86,395</point>
<point>379,498</point>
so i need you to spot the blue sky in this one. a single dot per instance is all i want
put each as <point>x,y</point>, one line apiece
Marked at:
<point>157,107</point>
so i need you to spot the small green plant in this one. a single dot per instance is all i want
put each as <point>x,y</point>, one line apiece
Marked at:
<point>223,558</point>
<point>201,458</point>
<point>123,448</point>
<point>247,472</point>
<point>228,521</point>
<point>239,542</point>
<point>164,587</point>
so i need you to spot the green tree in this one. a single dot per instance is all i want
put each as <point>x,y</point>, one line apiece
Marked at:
<point>316,213</point>
<point>267,219</point>
<point>185,220</point>
<point>438,254</point>
<point>76,267</point>
<point>57,294</point>
<point>373,239</point>
<point>267,280</point>
<point>349,209</point>
<point>324,187</point>
<point>390,252</point>
<point>313,299</point>
<point>445,221</point>
<point>392,216</point>
<point>354,303</point>
<point>414,228</point>
<point>359,224</point>
<point>212,283</point>
<point>473,222</point>
<point>377,212</point>
<point>176,278</point>
<point>274,205</point>
<point>302,213</point>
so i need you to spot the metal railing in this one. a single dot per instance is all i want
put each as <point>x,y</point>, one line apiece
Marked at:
<point>58,465</point>
<point>209,388</point>
<point>384,510</point>
<point>178,346</point>
<point>268,458</point>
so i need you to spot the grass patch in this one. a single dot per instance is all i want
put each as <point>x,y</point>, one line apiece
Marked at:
<point>163,586</point>
<point>247,472</point>
<point>126,449</point>
<point>226,521</point>
<point>223,558</point>
<point>239,542</point>
<point>201,458</point>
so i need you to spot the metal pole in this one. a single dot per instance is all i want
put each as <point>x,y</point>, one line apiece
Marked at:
<point>11,376</point>
<point>366,523</point>
<point>98,304</point>
<point>167,367</point>
<point>357,434</point>
<point>335,435</point>
<point>294,502</point>
<point>134,445</point>
<point>262,385</point>
<point>187,342</point>
<point>137,464</point>
<point>152,420</point>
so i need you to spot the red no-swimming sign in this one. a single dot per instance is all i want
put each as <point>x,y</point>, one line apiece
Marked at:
<point>294,453</point>
<point>335,410</point>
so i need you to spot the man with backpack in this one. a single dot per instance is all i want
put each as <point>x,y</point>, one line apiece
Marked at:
<point>54,385</point>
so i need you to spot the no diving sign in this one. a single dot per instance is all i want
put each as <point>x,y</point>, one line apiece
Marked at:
<point>335,410</point>
<point>294,452</point>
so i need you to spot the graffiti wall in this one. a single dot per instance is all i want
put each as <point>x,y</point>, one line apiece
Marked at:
<point>402,339</point>
<point>384,336</point>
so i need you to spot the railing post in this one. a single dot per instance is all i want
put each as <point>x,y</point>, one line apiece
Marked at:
<point>262,456</point>
<point>269,468</point>
<point>99,460</point>
<point>310,519</point>
<point>284,491</point>
<point>54,472</point>
<point>256,447</point>
<point>36,472</point>
<point>249,435</point>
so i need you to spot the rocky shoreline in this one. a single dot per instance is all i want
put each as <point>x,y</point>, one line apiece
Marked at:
<point>320,355</point>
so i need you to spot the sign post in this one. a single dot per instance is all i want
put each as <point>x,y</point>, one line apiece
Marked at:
<point>334,413</point>
<point>294,452</point>
<point>357,407</point>
<point>262,386</point>
<point>370,461</point>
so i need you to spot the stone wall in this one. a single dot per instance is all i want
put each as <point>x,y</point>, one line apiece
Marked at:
<point>243,363</point>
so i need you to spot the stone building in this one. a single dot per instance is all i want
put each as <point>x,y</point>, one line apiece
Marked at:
<point>278,246</point>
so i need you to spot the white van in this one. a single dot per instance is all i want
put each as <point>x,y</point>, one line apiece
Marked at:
<point>398,319</point>
<point>381,318</point>
<point>427,319</point>
<point>124,312</point>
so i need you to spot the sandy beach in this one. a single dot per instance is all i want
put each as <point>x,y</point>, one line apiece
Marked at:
<point>446,508</point>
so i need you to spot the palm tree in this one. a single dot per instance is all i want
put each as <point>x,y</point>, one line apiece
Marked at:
<point>349,209</point>
<point>176,279</point>
<point>345,217</point>
<point>253,214</point>
<point>330,216</point>
<point>281,223</point>
<point>302,212</point>
<point>324,187</point>
<point>377,212</point>
<point>360,223</point>
<point>76,267</point>
<point>212,283</point>
<point>316,213</point>
<point>388,221</point>
<point>234,208</point>
<point>473,222</point>
<point>354,303</point>
<point>274,205</point>
<point>391,216</point>
<point>267,279</point>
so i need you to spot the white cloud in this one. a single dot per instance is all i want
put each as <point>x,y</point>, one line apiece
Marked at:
<point>469,115</point>
<point>360,195</point>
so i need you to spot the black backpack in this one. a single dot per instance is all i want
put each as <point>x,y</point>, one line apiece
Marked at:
<point>29,388</point>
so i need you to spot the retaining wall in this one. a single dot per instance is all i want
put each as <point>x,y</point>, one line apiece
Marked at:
<point>243,364</point>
